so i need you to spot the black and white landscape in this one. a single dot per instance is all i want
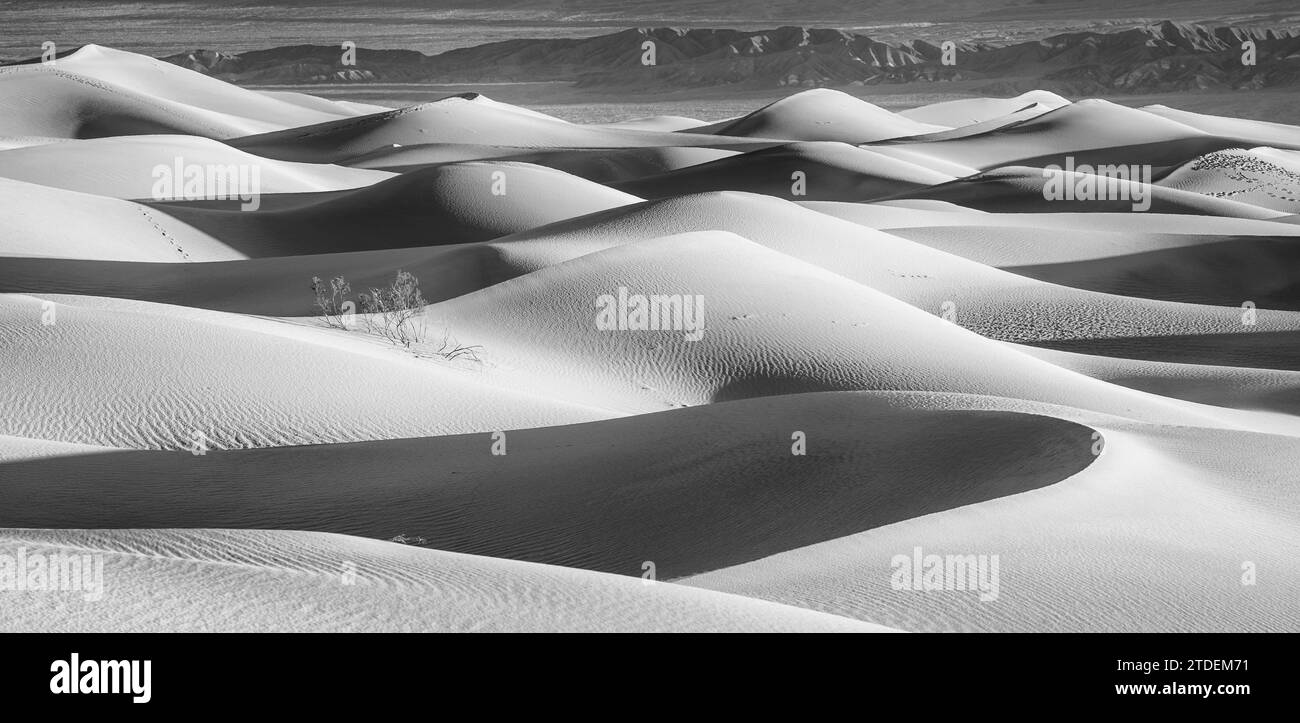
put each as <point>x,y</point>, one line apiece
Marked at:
<point>759,321</point>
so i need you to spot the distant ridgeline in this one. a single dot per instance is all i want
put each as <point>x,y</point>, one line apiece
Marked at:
<point>1155,58</point>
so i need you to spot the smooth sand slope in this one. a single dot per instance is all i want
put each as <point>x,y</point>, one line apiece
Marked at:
<point>262,581</point>
<point>99,92</point>
<point>141,375</point>
<point>658,123</point>
<point>128,167</point>
<point>970,111</point>
<point>1241,387</point>
<point>821,115</point>
<point>42,222</point>
<point>1259,132</point>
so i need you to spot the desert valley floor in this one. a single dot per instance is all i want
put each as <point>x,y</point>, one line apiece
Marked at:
<point>908,346</point>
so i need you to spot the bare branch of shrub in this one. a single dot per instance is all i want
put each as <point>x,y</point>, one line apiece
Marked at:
<point>396,312</point>
<point>330,299</point>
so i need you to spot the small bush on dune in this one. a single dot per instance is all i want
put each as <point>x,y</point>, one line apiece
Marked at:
<point>395,312</point>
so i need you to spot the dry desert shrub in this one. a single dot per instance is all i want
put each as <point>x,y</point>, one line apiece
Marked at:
<point>332,300</point>
<point>395,312</point>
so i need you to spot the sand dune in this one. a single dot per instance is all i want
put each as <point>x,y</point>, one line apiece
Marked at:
<point>553,499</point>
<point>128,167</point>
<point>144,376</point>
<point>1024,245</point>
<point>880,332</point>
<point>904,214</point>
<point>969,111</point>
<point>441,205</point>
<point>658,123</point>
<point>1192,274</point>
<point>1001,305</point>
<point>262,581</point>
<point>1007,122</point>
<point>333,107</point>
<point>829,172</point>
<point>610,165</point>
<point>165,80</point>
<point>1264,177</point>
<point>1249,132</point>
<point>1233,387</point>
<point>470,118</point>
<point>1027,189</point>
<point>1220,270</point>
<point>1104,551</point>
<point>837,335</point>
<point>530,328</point>
<point>270,286</point>
<point>1092,131</point>
<point>821,115</point>
<point>98,92</point>
<point>448,204</point>
<point>42,222</point>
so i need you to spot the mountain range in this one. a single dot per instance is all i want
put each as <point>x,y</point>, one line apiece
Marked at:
<point>1161,57</point>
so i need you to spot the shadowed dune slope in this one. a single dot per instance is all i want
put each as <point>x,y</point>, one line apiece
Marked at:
<point>821,170</point>
<point>602,165</point>
<point>442,205</point>
<point>600,496</point>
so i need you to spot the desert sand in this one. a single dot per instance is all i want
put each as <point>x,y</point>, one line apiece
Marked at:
<point>905,346</point>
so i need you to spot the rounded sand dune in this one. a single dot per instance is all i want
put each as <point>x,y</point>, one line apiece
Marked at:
<point>821,115</point>
<point>597,496</point>
<point>99,92</point>
<point>157,167</point>
<point>449,204</point>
